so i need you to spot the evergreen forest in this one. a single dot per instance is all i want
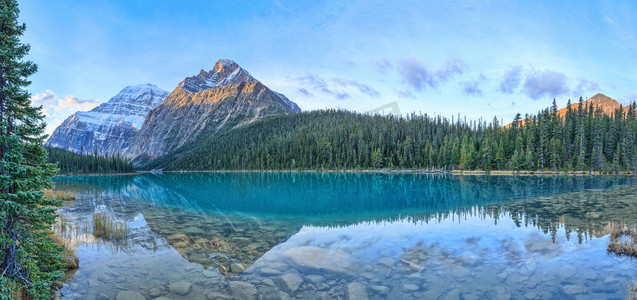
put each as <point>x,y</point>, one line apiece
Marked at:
<point>582,139</point>
<point>88,163</point>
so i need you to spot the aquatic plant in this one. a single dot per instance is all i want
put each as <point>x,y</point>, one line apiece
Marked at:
<point>63,234</point>
<point>65,195</point>
<point>107,228</point>
<point>59,195</point>
<point>623,240</point>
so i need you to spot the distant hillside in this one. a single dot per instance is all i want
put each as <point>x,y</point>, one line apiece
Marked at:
<point>607,105</point>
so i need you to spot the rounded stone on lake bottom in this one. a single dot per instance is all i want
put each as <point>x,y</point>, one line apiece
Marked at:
<point>181,288</point>
<point>129,295</point>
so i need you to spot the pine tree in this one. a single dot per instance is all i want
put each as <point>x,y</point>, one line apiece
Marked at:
<point>27,254</point>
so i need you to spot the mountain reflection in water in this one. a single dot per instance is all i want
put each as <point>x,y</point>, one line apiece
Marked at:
<point>389,233</point>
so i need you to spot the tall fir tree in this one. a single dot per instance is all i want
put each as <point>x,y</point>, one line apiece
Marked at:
<point>28,256</point>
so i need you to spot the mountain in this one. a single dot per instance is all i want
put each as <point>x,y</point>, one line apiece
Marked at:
<point>607,105</point>
<point>205,104</point>
<point>111,126</point>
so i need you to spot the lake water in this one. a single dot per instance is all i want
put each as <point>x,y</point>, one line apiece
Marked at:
<point>351,236</point>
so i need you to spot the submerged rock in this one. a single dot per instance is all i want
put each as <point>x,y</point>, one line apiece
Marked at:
<point>356,291</point>
<point>315,259</point>
<point>236,268</point>
<point>180,288</point>
<point>129,295</point>
<point>242,290</point>
<point>289,282</point>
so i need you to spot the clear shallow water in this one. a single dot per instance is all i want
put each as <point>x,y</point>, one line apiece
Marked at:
<point>351,236</point>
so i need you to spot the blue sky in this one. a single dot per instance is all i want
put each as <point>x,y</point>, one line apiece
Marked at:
<point>487,59</point>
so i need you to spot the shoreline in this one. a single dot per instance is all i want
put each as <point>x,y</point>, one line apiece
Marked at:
<point>382,171</point>
<point>100,174</point>
<point>421,171</point>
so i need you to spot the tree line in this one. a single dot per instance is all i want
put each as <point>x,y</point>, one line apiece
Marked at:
<point>88,163</point>
<point>582,139</point>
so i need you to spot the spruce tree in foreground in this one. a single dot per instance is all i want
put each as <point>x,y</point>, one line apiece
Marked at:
<point>28,256</point>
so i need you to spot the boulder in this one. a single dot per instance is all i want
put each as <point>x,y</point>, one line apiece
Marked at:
<point>320,260</point>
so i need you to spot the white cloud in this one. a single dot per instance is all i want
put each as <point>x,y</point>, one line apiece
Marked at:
<point>56,109</point>
<point>50,101</point>
<point>73,102</point>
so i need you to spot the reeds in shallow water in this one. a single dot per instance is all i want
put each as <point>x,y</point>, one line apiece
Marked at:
<point>59,195</point>
<point>623,240</point>
<point>62,234</point>
<point>107,228</point>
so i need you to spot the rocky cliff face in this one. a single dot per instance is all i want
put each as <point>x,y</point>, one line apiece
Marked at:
<point>204,104</point>
<point>110,127</point>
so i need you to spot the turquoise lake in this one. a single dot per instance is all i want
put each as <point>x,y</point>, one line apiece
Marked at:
<point>350,236</point>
